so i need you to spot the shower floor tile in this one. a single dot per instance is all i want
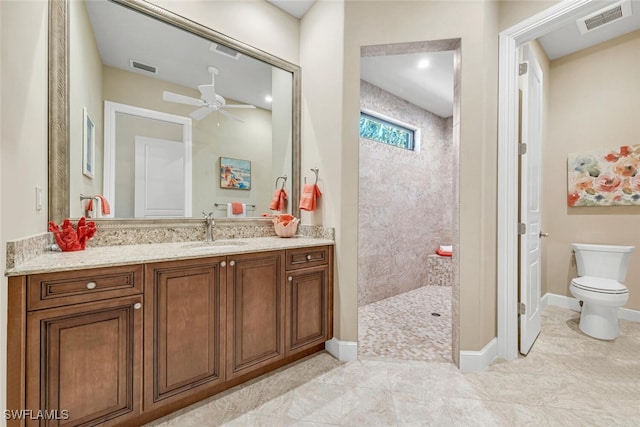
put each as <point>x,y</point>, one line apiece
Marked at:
<point>405,327</point>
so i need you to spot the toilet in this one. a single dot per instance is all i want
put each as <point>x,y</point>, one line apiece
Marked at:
<point>600,287</point>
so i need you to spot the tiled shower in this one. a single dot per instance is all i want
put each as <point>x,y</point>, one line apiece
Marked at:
<point>406,210</point>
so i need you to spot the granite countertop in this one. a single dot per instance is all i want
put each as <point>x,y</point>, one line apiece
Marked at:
<point>108,256</point>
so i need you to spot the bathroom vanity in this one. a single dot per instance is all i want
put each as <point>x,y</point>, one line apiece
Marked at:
<point>125,335</point>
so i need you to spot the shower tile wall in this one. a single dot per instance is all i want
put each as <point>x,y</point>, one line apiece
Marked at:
<point>405,200</point>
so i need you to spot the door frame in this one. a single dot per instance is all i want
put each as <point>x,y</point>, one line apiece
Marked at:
<point>511,39</point>
<point>110,111</point>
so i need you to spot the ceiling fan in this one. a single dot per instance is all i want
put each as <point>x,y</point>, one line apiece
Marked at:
<point>209,100</point>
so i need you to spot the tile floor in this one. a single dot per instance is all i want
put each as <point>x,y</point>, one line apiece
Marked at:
<point>568,379</point>
<point>404,327</point>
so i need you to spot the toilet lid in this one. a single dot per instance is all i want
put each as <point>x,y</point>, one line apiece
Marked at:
<point>599,284</point>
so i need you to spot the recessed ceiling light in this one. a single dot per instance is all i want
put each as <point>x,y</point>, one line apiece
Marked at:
<point>268,98</point>
<point>423,63</point>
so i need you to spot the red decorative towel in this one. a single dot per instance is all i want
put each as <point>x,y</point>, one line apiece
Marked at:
<point>278,202</point>
<point>104,205</point>
<point>310,194</point>
<point>236,208</point>
<point>443,253</point>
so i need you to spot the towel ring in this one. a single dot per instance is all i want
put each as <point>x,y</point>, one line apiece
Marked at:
<point>284,181</point>
<point>314,170</point>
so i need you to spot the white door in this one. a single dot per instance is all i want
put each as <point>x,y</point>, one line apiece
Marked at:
<point>530,183</point>
<point>159,178</point>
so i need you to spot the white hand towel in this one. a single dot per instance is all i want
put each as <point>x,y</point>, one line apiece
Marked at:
<point>230,211</point>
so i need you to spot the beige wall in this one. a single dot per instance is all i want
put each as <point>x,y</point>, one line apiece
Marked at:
<point>85,91</point>
<point>282,134</point>
<point>321,59</point>
<point>512,12</point>
<point>593,105</point>
<point>23,134</point>
<point>254,22</point>
<point>326,65</point>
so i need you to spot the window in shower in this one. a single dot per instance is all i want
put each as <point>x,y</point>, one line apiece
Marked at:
<point>378,127</point>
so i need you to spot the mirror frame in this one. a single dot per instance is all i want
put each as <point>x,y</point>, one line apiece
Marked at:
<point>59,100</point>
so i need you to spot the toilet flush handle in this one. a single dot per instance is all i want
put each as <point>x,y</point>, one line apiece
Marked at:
<point>541,234</point>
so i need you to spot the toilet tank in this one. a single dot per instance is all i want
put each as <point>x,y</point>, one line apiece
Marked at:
<point>606,261</point>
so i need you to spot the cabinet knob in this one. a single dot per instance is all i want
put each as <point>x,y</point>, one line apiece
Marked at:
<point>91,285</point>
<point>308,257</point>
<point>290,278</point>
<point>223,264</point>
<point>137,306</point>
<point>232,263</point>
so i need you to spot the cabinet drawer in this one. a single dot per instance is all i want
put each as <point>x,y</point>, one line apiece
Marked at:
<point>64,288</point>
<point>307,257</point>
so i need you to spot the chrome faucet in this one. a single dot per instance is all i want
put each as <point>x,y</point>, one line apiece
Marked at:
<point>210,223</point>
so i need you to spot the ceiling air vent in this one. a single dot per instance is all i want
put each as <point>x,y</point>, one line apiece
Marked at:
<point>604,16</point>
<point>224,50</point>
<point>143,67</point>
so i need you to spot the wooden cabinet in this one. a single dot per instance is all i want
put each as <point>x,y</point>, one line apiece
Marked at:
<point>124,345</point>
<point>255,311</point>
<point>184,329</point>
<point>309,296</point>
<point>83,361</point>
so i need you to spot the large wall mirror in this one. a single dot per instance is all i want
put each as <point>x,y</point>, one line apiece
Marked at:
<point>164,117</point>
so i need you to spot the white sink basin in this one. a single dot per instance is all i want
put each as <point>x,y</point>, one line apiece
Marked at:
<point>214,244</point>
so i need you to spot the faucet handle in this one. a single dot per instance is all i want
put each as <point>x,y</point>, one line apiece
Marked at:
<point>207,215</point>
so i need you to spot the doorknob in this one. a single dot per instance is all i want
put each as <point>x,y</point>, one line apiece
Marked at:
<point>541,234</point>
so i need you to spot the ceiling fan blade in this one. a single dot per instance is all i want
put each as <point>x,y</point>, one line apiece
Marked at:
<point>208,93</point>
<point>182,99</point>
<point>231,116</point>
<point>200,113</point>
<point>238,106</point>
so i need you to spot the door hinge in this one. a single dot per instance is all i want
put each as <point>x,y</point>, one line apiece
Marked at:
<point>522,308</point>
<point>522,149</point>
<point>522,228</point>
<point>523,68</point>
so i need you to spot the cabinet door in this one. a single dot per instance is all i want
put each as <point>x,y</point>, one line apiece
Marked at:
<point>183,329</point>
<point>307,309</point>
<point>255,307</point>
<point>84,363</point>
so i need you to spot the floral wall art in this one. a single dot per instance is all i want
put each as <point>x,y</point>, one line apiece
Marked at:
<point>605,178</point>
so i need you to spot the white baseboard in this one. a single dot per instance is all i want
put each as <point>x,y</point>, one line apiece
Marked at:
<point>628,314</point>
<point>560,301</point>
<point>345,351</point>
<point>573,304</point>
<point>476,361</point>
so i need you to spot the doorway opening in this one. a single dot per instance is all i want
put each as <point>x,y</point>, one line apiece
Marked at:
<point>147,162</point>
<point>408,294</point>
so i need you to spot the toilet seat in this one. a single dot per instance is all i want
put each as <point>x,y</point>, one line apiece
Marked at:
<point>599,285</point>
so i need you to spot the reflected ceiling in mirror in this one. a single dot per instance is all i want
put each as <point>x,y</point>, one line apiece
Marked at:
<point>167,99</point>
